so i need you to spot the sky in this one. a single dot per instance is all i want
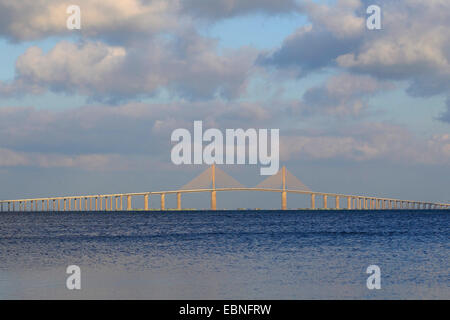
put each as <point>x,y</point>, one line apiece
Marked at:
<point>91,111</point>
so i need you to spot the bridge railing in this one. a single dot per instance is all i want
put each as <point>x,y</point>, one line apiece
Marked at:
<point>109,202</point>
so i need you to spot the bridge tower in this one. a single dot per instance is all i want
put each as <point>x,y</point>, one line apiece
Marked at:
<point>213,193</point>
<point>212,178</point>
<point>283,193</point>
<point>283,179</point>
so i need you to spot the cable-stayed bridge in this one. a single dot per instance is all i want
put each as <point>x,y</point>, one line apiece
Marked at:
<point>214,180</point>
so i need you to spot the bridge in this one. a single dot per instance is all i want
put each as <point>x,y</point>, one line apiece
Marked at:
<point>206,183</point>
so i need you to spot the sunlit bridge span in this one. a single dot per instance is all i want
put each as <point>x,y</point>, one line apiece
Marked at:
<point>208,181</point>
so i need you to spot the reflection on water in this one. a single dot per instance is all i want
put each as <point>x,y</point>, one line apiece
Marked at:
<point>225,255</point>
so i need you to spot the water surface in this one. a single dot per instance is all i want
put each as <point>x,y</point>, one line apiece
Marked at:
<point>226,254</point>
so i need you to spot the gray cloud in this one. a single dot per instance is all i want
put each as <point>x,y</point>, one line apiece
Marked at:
<point>367,142</point>
<point>333,31</point>
<point>133,129</point>
<point>342,95</point>
<point>219,9</point>
<point>414,45</point>
<point>187,65</point>
<point>445,116</point>
<point>125,136</point>
<point>120,21</point>
<point>309,49</point>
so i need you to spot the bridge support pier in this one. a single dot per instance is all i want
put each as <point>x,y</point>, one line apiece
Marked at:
<point>163,201</point>
<point>283,200</point>
<point>178,201</point>
<point>325,201</point>
<point>313,200</point>
<point>145,202</point>
<point>213,185</point>
<point>128,203</point>
<point>337,202</point>
<point>213,200</point>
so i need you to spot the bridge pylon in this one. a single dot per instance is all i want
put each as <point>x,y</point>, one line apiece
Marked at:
<point>285,180</point>
<point>283,194</point>
<point>213,193</point>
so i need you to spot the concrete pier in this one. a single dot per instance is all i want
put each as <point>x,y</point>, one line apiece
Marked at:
<point>128,203</point>
<point>213,192</point>
<point>283,193</point>
<point>163,201</point>
<point>146,202</point>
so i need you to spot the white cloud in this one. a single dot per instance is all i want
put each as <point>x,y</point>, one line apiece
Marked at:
<point>413,45</point>
<point>341,20</point>
<point>187,66</point>
<point>121,20</point>
<point>35,19</point>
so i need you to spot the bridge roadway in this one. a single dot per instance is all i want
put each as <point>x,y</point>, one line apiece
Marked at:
<point>107,202</point>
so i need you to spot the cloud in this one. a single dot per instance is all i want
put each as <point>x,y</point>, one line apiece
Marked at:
<point>413,46</point>
<point>37,19</point>
<point>342,20</point>
<point>445,116</point>
<point>120,21</point>
<point>11,158</point>
<point>219,9</point>
<point>341,95</point>
<point>187,66</point>
<point>107,134</point>
<point>367,142</point>
<point>333,31</point>
<point>135,135</point>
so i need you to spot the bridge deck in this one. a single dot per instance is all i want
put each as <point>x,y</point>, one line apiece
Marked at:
<point>353,201</point>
